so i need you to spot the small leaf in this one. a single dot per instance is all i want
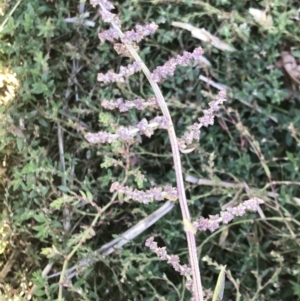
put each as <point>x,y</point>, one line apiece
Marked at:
<point>188,226</point>
<point>219,289</point>
<point>89,196</point>
<point>17,131</point>
<point>296,53</point>
<point>57,204</point>
<point>28,168</point>
<point>19,143</point>
<point>39,88</point>
<point>223,237</point>
<point>261,18</point>
<point>39,293</point>
<point>83,194</point>
<point>49,252</point>
<point>63,188</point>
<point>43,122</point>
<point>188,150</point>
<point>41,218</point>
<point>266,169</point>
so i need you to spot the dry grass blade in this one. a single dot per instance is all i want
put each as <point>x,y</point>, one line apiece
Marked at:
<point>205,36</point>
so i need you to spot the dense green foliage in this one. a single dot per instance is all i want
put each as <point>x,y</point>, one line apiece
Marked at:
<point>254,144</point>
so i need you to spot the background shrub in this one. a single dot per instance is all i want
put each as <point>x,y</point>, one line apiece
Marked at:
<point>254,144</point>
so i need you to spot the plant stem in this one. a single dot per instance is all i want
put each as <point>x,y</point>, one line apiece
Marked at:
<point>84,237</point>
<point>197,291</point>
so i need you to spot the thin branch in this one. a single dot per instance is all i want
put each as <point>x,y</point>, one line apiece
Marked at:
<point>121,240</point>
<point>206,182</point>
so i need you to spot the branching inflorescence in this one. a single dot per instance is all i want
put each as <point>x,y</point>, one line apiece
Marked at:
<point>125,44</point>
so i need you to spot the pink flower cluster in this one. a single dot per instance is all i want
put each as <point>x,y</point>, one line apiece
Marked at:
<point>103,3</point>
<point>139,33</point>
<point>110,76</point>
<point>209,115</point>
<point>124,106</point>
<point>128,133</point>
<point>169,67</point>
<point>213,222</point>
<point>107,16</point>
<point>160,73</point>
<point>130,36</point>
<point>153,194</point>
<point>193,132</point>
<point>184,270</point>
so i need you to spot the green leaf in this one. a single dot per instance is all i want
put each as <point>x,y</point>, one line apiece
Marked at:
<point>266,169</point>
<point>29,18</point>
<point>47,252</point>
<point>57,204</point>
<point>9,27</point>
<point>296,53</point>
<point>63,188</point>
<point>39,292</point>
<point>83,194</point>
<point>41,218</point>
<point>43,122</point>
<point>29,168</point>
<point>19,143</point>
<point>89,196</point>
<point>39,88</point>
<point>42,231</point>
<point>56,224</point>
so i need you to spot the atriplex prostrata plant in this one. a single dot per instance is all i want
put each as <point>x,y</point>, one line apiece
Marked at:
<point>127,47</point>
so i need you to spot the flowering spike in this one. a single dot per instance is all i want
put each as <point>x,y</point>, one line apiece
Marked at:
<point>120,77</point>
<point>128,133</point>
<point>153,194</point>
<point>184,270</point>
<point>169,67</point>
<point>213,222</point>
<point>193,132</point>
